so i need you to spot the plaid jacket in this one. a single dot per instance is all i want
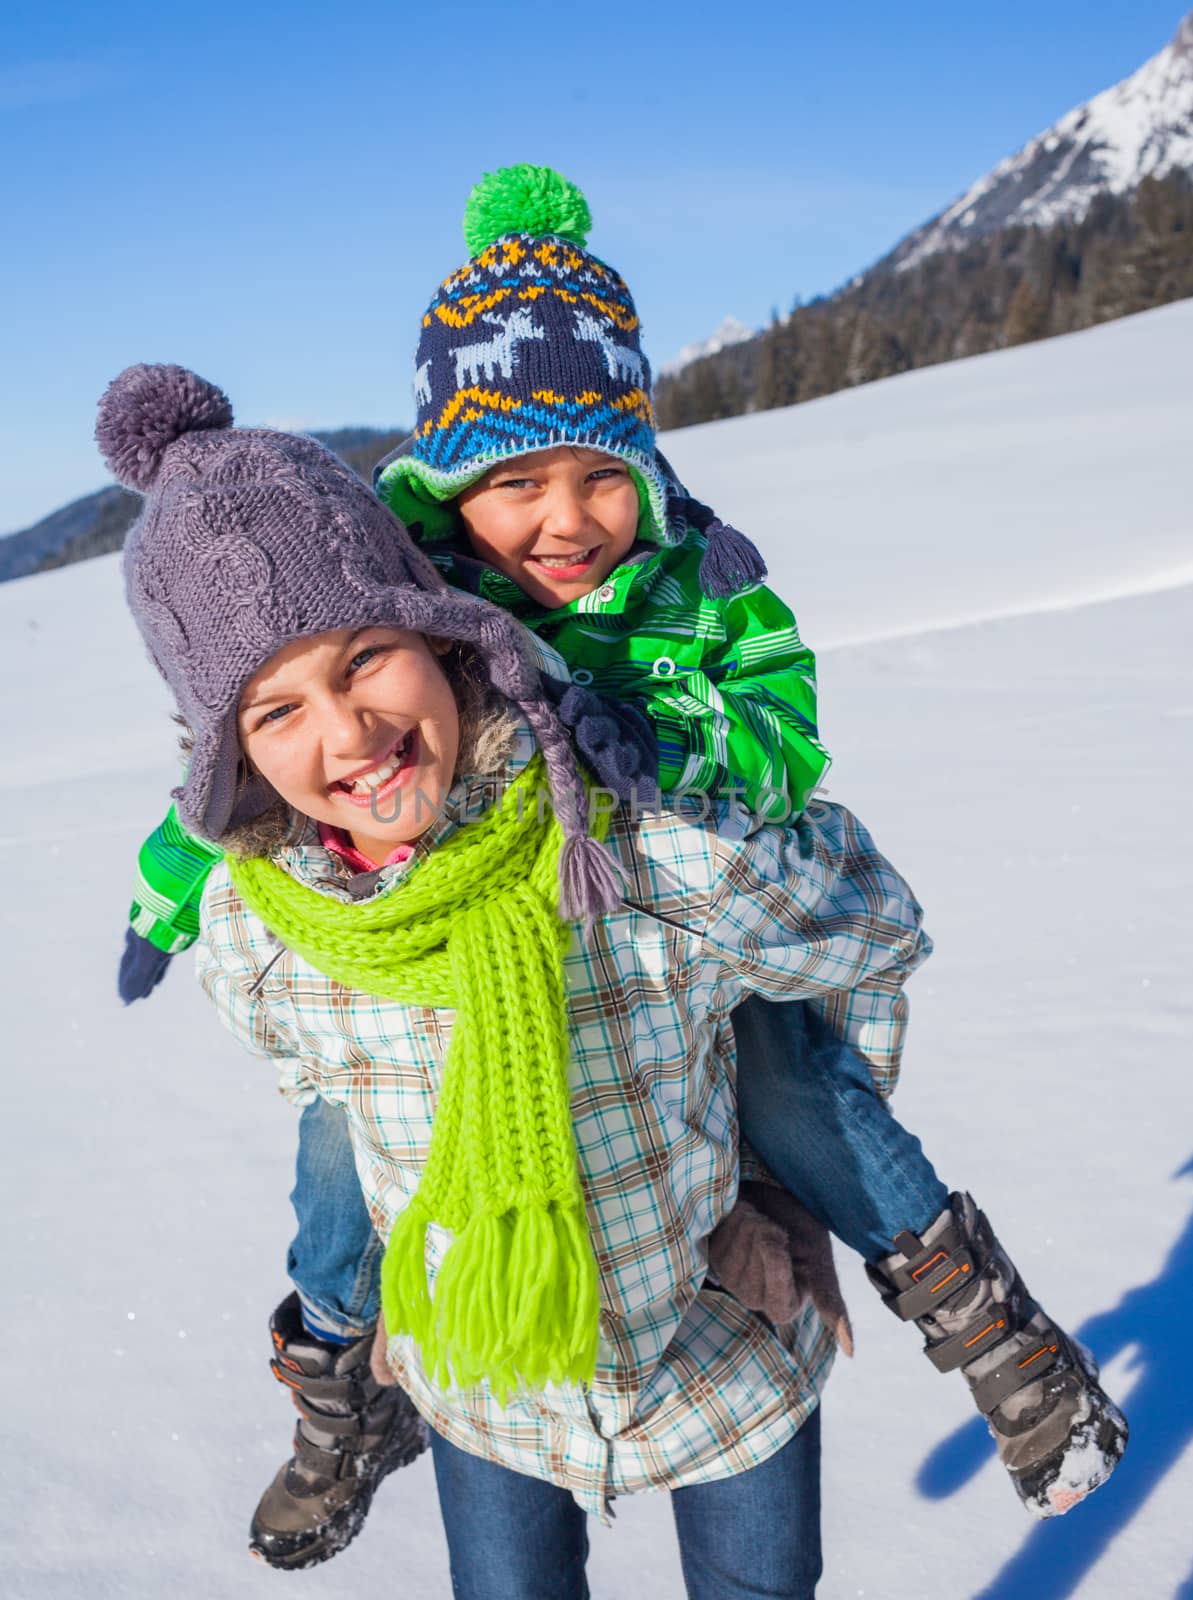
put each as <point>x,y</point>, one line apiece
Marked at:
<point>689,1386</point>
<point>728,685</point>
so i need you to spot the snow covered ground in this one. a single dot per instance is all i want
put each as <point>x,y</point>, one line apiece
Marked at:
<point>1027,772</point>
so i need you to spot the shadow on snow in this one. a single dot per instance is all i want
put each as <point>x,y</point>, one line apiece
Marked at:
<point>1153,1319</point>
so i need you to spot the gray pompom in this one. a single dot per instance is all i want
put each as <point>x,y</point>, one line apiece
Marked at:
<point>145,409</point>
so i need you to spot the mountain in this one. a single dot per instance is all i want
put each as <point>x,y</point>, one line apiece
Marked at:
<point>102,517</point>
<point>97,523</point>
<point>731,332</point>
<point>1140,128</point>
<point>1090,221</point>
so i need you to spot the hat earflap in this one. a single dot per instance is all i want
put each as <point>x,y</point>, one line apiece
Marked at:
<point>591,882</point>
<point>731,562</point>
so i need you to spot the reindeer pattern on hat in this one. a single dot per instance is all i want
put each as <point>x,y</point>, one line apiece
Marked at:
<point>532,343</point>
<point>490,356</point>
<point>620,360</point>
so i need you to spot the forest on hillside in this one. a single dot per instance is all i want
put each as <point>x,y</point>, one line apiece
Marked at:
<point>1128,253</point>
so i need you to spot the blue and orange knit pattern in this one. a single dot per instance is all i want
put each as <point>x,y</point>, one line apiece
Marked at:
<point>532,339</point>
<point>533,343</point>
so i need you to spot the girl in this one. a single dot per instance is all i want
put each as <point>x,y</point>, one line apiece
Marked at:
<point>532,479</point>
<point>543,1125</point>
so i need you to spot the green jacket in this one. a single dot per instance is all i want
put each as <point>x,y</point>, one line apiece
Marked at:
<point>727,683</point>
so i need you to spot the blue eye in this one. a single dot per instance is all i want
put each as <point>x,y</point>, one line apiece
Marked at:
<point>275,715</point>
<point>363,656</point>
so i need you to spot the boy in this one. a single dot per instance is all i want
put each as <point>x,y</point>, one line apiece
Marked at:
<point>532,480</point>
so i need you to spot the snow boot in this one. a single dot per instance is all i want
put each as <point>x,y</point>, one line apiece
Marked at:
<point>1058,1434</point>
<point>351,1434</point>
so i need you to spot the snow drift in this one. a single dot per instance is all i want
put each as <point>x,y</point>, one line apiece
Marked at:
<point>1028,772</point>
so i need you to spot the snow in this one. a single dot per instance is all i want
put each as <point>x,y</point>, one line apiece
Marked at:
<point>1139,128</point>
<point>1028,773</point>
<point>731,331</point>
<point>1013,483</point>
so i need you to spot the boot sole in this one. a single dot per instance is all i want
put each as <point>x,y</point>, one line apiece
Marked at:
<point>335,1535</point>
<point>338,1532</point>
<point>1090,1454</point>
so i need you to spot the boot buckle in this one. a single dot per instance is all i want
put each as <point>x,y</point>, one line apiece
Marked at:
<point>936,1278</point>
<point>990,1330</point>
<point>991,1390</point>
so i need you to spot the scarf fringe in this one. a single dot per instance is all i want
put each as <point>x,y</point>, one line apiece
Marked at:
<point>591,883</point>
<point>405,1297</point>
<point>515,1300</point>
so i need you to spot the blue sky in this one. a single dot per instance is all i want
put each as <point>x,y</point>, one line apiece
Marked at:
<point>270,194</point>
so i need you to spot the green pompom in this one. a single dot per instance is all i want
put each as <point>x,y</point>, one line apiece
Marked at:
<point>525,199</point>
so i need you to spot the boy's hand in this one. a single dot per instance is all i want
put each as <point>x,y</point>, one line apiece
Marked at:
<point>615,739</point>
<point>142,967</point>
<point>378,1364</point>
<point>772,1255</point>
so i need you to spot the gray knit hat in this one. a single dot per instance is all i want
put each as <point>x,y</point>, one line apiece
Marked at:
<point>250,539</point>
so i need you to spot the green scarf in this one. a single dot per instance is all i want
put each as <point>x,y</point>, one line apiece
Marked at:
<point>475,927</point>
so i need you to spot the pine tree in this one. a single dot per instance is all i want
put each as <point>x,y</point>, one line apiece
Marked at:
<point>1027,314</point>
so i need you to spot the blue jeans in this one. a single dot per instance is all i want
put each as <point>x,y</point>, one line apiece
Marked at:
<point>335,1258</point>
<point>755,1535</point>
<point>806,1103</point>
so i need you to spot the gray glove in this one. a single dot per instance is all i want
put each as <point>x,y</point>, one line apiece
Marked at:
<point>772,1255</point>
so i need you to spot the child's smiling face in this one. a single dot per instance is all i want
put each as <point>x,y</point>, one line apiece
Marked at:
<point>557,522</point>
<point>357,728</point>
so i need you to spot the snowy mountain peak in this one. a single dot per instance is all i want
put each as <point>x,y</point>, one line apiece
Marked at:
<point>731,331</point>
<point>1142,127</point>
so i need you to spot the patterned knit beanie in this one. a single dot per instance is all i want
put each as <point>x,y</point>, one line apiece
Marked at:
<point>250,539</point>
<point>534,343</point>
